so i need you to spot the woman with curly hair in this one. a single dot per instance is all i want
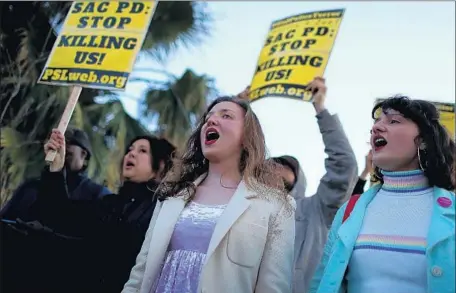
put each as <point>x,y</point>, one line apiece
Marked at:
<point>225,223</point>
<point>400,236</point>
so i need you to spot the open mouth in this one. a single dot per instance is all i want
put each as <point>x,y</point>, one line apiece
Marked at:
<point>212,136</point>
<point>379,142</point>
<point>129,164</point>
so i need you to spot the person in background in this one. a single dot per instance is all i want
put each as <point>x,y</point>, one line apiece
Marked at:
<point>400,235</point>
<point>225,224</point>
<point>314,214</point>
<point>79,186</point>
<point>365,175</point>
<point>112,228</point>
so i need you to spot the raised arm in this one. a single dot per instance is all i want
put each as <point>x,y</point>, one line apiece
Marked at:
<point>341,167</point>
<point>53,206</point>
<point>53,190</point>
<point>276,269</point>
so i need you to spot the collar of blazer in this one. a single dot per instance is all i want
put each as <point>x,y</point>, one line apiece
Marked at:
<point>248,191</point>
<point>241,190</point>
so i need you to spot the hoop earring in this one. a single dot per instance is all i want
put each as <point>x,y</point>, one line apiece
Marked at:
<point>419,161</point>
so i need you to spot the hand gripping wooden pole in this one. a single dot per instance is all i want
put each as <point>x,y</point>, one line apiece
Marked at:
<point>66,117</point>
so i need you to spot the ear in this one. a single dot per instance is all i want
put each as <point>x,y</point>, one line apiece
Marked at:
<point>420,143</point>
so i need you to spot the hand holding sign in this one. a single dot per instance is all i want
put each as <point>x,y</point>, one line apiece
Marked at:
<point>318,89</point>
<point>56,144</point>
<point>244,95</point>
<point>96,47</point>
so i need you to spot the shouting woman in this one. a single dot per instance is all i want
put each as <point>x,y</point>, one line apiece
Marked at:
<point>225,224</point>
<point>400,235</point>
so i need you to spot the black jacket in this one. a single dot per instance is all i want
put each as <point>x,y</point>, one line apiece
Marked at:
<point>112,230</point>
<point>359,187</point>
<point>78,185</point>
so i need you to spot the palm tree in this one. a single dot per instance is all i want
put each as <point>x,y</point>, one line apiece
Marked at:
<point>28,110</point>
<point>175,106</point>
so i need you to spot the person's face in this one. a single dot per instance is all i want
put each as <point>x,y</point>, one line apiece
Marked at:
<point>137,163</point>
<point>288,176</point>
<point>222,133</point>
<point>75,157</point>
<point>393,142</point>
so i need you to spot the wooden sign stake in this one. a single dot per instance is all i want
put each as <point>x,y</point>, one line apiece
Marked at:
<point>66,117</point>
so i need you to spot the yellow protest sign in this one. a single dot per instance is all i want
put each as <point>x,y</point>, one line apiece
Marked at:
<point>98,44</point>
<point>447,115</point>
<point>296,50</point>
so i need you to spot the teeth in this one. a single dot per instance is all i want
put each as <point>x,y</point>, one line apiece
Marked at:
<point>379,142</point>
<point>212,135</point>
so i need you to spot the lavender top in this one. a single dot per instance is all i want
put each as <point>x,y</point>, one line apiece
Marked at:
<point>187,249</point>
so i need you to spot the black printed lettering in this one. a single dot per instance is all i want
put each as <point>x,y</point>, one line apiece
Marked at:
<point>104,42</point>
<point>299,60</point>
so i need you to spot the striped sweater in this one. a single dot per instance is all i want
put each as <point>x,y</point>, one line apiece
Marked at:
<point>389,254</point>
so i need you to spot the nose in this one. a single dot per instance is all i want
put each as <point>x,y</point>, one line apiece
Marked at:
<point>378,127</point>
<point>212,121</point>
<point>131,153</point>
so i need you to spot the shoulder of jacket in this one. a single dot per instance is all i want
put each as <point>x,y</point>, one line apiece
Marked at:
<point>277,198</point>
<point>446,192</point>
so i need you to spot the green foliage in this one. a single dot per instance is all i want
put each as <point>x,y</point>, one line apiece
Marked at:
<point>28,111</point>
<point>176,104</point>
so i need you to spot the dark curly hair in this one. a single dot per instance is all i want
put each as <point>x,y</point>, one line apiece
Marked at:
<point>253,165</point>
<point>438,157</point>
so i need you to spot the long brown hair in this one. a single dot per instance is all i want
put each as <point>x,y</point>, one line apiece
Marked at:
<point>254,167</point>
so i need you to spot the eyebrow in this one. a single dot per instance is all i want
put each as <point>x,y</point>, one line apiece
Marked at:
<point>222,110</point>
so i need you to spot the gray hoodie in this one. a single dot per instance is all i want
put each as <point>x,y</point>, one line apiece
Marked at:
<point>315,214</point>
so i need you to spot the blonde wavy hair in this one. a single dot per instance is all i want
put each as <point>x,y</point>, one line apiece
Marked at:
<point>255,169</point>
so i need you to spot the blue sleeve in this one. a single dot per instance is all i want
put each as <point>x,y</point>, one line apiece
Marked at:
<point>327,251</point>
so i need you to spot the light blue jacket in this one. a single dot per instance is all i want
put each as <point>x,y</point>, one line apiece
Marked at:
<point>440,251</point>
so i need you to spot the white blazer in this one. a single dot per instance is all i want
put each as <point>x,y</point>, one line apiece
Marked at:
<point>251,249</point>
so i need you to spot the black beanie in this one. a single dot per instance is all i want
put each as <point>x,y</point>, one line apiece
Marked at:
<point>290,162</point>
<point>78,137</point>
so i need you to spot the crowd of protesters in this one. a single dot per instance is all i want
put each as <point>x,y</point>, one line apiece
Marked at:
<point>224,217</point>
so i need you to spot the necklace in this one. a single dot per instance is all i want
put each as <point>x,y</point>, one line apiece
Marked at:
<point>227,187</point>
